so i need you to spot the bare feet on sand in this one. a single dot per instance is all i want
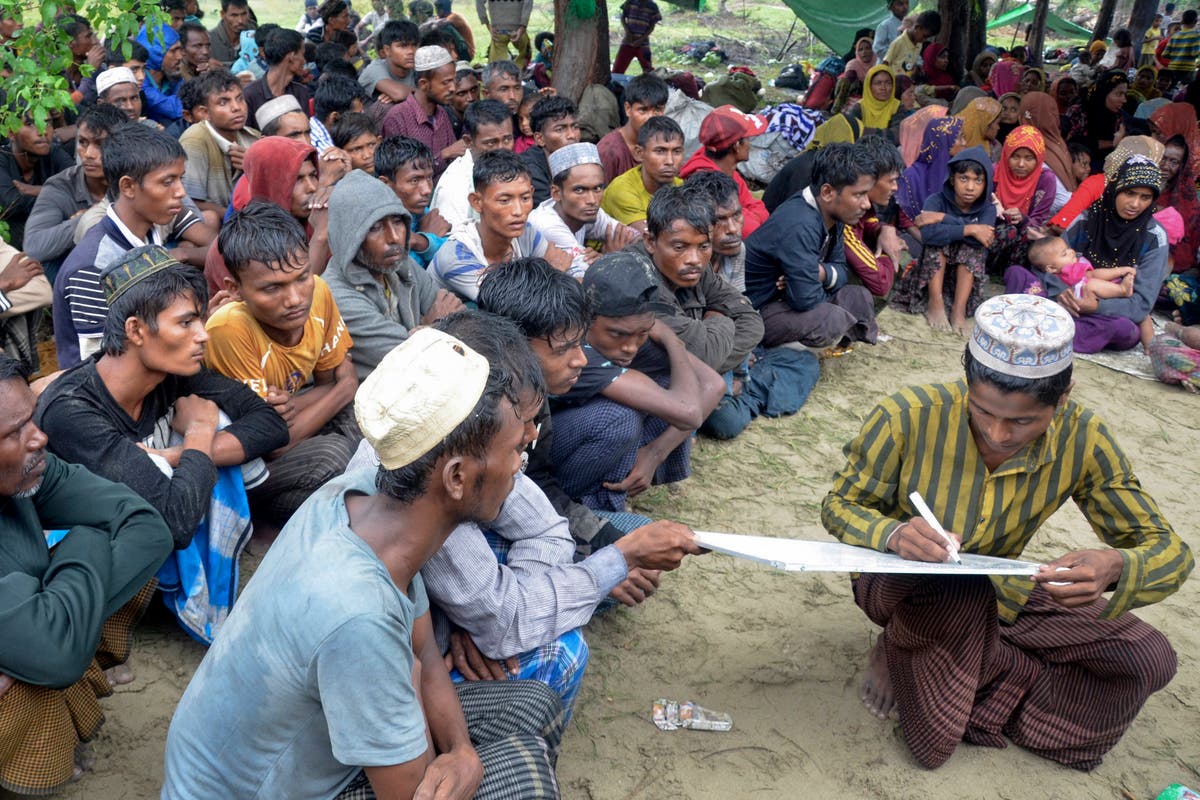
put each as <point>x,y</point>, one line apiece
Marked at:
<point>85,760</point>
<point>119,675</point>
<point>876,691</point>
<point>936,317</point>
<point>960,324</point>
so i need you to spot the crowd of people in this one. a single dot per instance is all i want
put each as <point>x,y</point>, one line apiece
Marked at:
<point>335,292</point>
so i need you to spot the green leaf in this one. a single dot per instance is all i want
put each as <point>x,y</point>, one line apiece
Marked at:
<point>49,12</point>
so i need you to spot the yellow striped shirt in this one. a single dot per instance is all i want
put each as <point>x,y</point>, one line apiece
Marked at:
<point>919,439</point>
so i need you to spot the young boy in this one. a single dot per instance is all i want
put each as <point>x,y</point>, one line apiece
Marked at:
<point>335,95</point>
<point>627,421</point>
<point>466,91</point>
<point>645,97</point>
<point>421,116</point>
<point>1081,161</point>
<point>660,154</point>
<point>284,338</point>
<point>957,229</point>
<point>357,136</point>
<point>392,73</point>
<point>554,126</point>
<point>870,262</point>
<point>216,143</point>
<point>406,167</point>
<point>1054,256</point>
<point>144,170</point>
<point>904,54</point>
<point>487,126</point>
<point>503,198</point>
<point>638,18</point>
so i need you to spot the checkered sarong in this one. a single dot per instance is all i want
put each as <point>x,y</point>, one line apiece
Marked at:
<point>40,727</point>
<point>515,727</point>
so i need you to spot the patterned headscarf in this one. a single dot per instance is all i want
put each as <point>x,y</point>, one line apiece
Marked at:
<point>977,117</point>
<point>1017,192</point>
<point>1131,146</point>
<point>912,130</point>
<point>1113,241</point>
<point>928,173</point>
<point>1005,77</point>
<point>878,113</point>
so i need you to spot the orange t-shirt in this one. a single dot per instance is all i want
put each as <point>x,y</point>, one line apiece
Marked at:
<point>239,348</point>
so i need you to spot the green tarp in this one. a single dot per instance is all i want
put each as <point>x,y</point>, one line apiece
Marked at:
<point>1023,15</point>
<point>835,21</point>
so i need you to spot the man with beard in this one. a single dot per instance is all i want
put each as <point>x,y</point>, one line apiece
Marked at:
<point>381,292</point>
<point>802,244</point>
<point>421,115</point>
<point>56,603</point>
<point>163,73</point>
<point>572,217</point>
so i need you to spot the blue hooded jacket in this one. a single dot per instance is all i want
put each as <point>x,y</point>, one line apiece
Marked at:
<point>162,105</point>
<point>983,212</point>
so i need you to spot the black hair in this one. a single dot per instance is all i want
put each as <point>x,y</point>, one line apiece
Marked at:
<point>541,39</point>
<point>214,82</point>
<point>148,298</point>
<point>886,155</point>
<point>719,188</point>
<point>331,8</point>
<point>13,368</point>
<point>541,300</point>
<point>1189,17</point>
<point>261,232</point>
<point>345,38</point>
<point>966,165</point>
<point>225,4</point>
<point>1048,391</point>
<point>672,203</point>
<point>496,68</point>
<point>135,151</point>
<point>502,342</point>
<point>1077,149</point>
<point>840,165</point>
<point>663,128</point>
<point>499,166</point>
<point>464,72</point>
<point>188,28</point>
<point>263,32</point>
<point>328,52</point>
<point>173,5</point>
<point>115,55</point>
<point>395,152</point>
<point>340,66</point>
<point>350,126</point>
<point>1122,38</point>
<point>1020,52</point>
<point>931,21</point>
<point>102,117</point>
<point>439,37</point>
<point>550,108</point>
<point>73,24</point>
<point>484,112</point>
<point>648,90</point>
<point>1038,245</point>
<point>475,433</point>
<point>336,93</point>
<point>189,94</point>
<point>281,44</point>
<point>397,31</point>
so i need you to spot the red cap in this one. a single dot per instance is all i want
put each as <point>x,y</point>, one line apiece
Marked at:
<point>726,125</point>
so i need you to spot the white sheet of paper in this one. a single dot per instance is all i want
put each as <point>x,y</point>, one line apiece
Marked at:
<point>797,555</point>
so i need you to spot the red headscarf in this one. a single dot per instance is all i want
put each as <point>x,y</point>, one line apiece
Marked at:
<point>1179,119</point>
<point>1017,192</point>
<point>933,75</point>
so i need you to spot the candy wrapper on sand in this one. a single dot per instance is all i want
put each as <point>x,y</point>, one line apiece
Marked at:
<point>1178,792</point>
<point>671,716</point>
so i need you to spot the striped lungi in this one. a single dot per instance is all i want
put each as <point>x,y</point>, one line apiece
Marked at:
<point>1061,682</point>
<point>516,727</point>
<point>40,727</point>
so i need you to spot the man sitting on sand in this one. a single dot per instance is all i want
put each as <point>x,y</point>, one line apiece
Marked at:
<point>1049,664</point>
<point>57,606</point>
<point>359,700</point>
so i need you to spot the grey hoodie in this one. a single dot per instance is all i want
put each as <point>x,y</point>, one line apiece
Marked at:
<point>358,202</point>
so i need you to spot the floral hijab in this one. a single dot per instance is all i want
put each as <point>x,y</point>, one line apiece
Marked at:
<point>1012,191</point>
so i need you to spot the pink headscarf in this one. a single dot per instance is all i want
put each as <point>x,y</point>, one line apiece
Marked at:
<point>1005,77</point>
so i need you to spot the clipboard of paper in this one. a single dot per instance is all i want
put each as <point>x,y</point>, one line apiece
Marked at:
<point>798,555</point>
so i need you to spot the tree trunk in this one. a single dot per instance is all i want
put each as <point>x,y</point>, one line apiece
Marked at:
<point>1139,22</point>
<point>964,30</point>
<point>976,30</point>
<point>581,50</point>
<point>1104,19</point>
<point>1037,33</point>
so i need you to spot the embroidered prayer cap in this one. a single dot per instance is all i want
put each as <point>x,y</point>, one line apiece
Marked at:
<point>1023,335</point>
<point>420,392</point>
<point>620,284</point>
<point>133,267</point>
<point>430,57</point>
<point>572,155</point>
<point>112,76</point>
<point>275,108</point>
<point>725,125</point>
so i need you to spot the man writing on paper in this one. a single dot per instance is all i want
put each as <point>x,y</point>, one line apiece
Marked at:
<point>1049,664</point>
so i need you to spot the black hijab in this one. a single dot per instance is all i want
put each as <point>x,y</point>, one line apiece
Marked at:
<point>1111,240</point>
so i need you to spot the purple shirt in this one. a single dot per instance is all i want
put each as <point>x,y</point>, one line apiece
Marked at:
<point>408,118</point>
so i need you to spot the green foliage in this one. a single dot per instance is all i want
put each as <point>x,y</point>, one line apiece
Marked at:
<point>581,9</point>
<point>35,61</point>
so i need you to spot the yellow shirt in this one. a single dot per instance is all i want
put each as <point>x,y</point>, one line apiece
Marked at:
<point>1150,42</point>
<point>239,348</point>
<point>904,56</point>
<point>626,198</point>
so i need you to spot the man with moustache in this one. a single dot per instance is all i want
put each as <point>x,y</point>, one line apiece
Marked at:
<point>55,603</point>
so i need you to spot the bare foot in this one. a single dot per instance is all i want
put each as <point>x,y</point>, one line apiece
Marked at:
<point>119,675</point>
<point>876,690</point>
<point>85,760</point>
<point>959,323</point>
<point>936,317</point>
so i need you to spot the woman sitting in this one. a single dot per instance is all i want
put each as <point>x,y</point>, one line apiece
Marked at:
<point>981,125</point>
<point>1175,126</point>
<point>879,103</point>
<point>1025,191</point>
<point>1105,115</point>
<point>938,82</point>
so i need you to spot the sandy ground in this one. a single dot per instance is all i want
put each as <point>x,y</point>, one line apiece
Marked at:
<point>783,653</point>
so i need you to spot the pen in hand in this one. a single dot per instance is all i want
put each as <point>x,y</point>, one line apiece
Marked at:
<point>927,515</point>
